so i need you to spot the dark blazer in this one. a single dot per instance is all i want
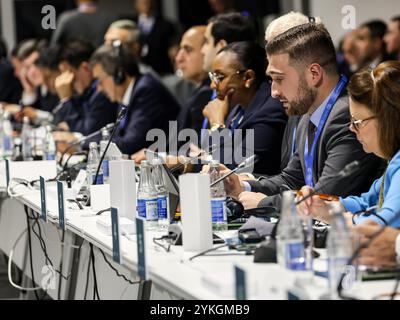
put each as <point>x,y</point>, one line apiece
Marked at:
<point>10,86</point>
<point>89,112</point>
<point>151,107</point>
<point>191,115</point>
<point>337,147</point>
<point>156,45</point>
<point>287,141</point>
<point>265,115</point>
<point>45,102</point>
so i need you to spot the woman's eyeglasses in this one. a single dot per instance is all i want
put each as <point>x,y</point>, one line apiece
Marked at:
<point>217,78</point>
<point>357,124</point>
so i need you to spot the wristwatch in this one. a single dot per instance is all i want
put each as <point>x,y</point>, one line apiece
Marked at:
<point>216,126</point>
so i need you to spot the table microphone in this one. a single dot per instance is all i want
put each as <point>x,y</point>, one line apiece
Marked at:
<point>120,116</point>
<point>348,170</point>
<point>84,139</point>
<point>210,151</point>
<point>245,164</point>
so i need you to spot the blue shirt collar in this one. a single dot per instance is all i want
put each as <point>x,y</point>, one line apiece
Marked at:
<point>317,114</point>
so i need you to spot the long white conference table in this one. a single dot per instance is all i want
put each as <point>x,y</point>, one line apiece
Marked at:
<point>172,275</point>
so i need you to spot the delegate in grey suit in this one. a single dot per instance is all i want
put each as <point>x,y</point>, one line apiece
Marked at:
<point>337,147</point>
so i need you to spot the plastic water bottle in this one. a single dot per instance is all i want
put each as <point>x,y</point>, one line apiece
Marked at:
<point>17,150</point>
<point>162,194</point>
<point>147,197</point>
<point>26,140</point>
<point>7,135</point>
<point>49,145</point>
<point>105,137</point>
<point>339,250</point>
<point>218,199</point>
<point>290,237</point>
<point>93,164</point>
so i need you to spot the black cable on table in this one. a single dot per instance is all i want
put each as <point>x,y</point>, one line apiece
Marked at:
<point>61,266</point>
<point>30,251</point>
<point>116,271</point>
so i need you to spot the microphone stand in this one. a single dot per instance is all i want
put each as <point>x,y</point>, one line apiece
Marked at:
<point>181,165</point>
<point>90,136</point>
<point>348,170</point>
<point>119,118</point>
<point>240,166</point>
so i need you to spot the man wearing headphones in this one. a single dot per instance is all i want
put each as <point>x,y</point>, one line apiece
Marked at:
<point>148,103</point>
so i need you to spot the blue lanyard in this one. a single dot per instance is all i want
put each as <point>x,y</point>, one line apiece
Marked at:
<point>309,156</point>
<point>236,120</point>
<point>293,142</point>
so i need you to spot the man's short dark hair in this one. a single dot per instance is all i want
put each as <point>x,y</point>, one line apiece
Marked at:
<point>77,51</point>
<point>306,44</point>
<point>26,47</point>
<point>111,58</point>
<point>377,28</point>
<point>49,57</point>
<point>232,27</point>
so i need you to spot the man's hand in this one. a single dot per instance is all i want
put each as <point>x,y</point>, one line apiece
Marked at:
<point>28,86</point>
<point>10,107</point>
<point>61,136</point>
<point>206,168</point>
<point>382,249</point>
<point>217,110</point>
<point>233,185</point>
<point>251,200</point>
<point>63,126</point>
<point>64,85</point>
<point>139,156</point>
<point>30,112</point>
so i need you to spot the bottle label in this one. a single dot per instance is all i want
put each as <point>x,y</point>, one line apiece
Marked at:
<point>218,209</point>
<point>148,209</point>
<point>100,179</point>
<point>6,143</point>
<point>50,157</point>
<point>141,208</point>
<point>162,207</point>
<point>105,167</point>
<point>295,256</point>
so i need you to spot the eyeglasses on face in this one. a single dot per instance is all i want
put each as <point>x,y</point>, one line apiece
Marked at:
<point>217,77</point>
<point>358,124</point>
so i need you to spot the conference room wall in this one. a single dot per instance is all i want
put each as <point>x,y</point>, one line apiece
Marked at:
<point>332,16</point>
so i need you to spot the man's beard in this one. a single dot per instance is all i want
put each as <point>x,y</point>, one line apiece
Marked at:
<point>306,97</point>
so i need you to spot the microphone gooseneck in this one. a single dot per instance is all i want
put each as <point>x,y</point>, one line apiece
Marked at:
<point>348,170</point>
<point>245,164</point>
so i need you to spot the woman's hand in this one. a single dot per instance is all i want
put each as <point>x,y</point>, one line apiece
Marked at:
<point>217,110</point>
<point>312,207</point>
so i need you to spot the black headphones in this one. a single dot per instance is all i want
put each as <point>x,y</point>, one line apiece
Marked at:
<point>235,210</point>
<point>119,76</point>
